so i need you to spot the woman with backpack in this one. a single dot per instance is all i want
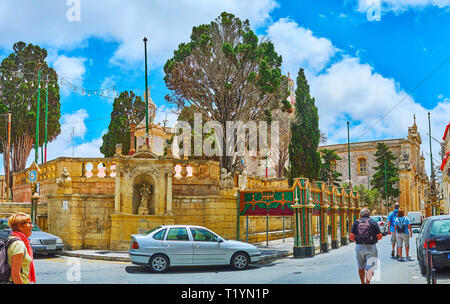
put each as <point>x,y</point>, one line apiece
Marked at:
<point>402,225</point>
<point>20,254</point>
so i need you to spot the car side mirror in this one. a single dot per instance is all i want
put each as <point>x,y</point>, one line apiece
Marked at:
<point>218,239</point>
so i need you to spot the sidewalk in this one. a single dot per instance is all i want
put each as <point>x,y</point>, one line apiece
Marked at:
<point>275,250</point>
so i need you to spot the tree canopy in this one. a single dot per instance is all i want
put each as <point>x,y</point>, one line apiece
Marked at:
<point>304,159</point>
<point>226,73</point>
<point>378,181</point>
<point>19,89</point>
<point>127,109</point>
<point>328,171</point>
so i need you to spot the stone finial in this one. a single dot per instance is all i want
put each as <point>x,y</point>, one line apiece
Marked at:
<point>64,180</point>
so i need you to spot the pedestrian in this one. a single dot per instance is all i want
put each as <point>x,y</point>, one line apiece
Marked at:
<point>366,233</point>
<point>20,253</point>
<point>391,218</point>
<point>402,225</point>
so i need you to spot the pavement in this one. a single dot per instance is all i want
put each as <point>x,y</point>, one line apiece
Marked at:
<point>270,251</point>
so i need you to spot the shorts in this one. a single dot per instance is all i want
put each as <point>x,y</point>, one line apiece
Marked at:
<point>366,256</point>
<point>393,237</point>
<point>402,237</point>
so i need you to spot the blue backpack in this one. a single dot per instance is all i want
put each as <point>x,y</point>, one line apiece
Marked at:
<point>401,227</point>
<point>5,268</point>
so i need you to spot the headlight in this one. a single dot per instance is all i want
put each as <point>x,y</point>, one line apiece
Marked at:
<point>59,241</point>
<point>35,242</point>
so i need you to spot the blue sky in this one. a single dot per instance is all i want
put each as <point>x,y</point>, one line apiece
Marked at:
<point>359,69</point>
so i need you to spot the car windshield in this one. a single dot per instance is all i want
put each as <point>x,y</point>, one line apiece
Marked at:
<point>376,218</point>
<point>440,228</point>
<point>150,231</point>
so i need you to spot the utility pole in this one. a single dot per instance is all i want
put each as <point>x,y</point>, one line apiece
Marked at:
<point>7,157</point>
<point>348,151</point>
<point>36,142</point>
<point>146,93</point>
<point>385,180</point>
<point>46,115</point>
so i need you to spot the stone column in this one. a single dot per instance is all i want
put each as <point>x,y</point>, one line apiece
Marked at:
<point>169,191</point>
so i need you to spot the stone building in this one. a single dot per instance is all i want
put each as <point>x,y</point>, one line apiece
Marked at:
<point>411,164</point>
<point>445,168</point>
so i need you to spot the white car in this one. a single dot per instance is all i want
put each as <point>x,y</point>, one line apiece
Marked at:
<point>186,245</point>
<point>415,218</point>
<point>382,223</point>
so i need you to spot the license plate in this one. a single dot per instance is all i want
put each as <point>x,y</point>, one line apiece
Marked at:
<point>51,247</point>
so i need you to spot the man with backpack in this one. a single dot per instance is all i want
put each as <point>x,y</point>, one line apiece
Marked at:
<point>366,233</point>
<point>391,218</point>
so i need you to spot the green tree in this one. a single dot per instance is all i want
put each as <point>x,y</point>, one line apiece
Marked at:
<point>127,109</point>
<point>305,134</point>
<point>226,73</point>
<point>385,159</point>
<point>19,87</point>
<point>370,198</point>
<point>328,171</point>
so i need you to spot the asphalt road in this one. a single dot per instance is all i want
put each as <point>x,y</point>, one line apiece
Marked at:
<point>336,266</point>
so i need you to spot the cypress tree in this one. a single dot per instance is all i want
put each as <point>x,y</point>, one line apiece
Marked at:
<point>378,181</point>
<point>304,159</point>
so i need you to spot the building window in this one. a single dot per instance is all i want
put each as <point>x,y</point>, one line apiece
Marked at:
<point>362,166</point>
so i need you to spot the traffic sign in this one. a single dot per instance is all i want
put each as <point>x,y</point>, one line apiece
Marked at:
<point>32,176</point>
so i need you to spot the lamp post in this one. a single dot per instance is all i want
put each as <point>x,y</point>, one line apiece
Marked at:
<point>46,115</point>
<point>146,93</point>
<point>36,143</point>
<point>348,151</point>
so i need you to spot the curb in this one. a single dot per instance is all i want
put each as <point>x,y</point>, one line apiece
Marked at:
<point>95,257</point>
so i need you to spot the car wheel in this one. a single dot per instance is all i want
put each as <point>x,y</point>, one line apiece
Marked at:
<point>240,261</point>
<point>159,263</point>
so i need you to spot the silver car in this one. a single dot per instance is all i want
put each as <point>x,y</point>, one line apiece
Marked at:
<point>40,242</point>
<point>382,223</point>
<point>186,245</point>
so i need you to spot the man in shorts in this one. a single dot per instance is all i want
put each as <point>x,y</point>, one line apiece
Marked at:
<point>366,233</point>
<point>391,218</point>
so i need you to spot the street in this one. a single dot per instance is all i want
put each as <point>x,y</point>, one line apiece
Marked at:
<point>335,267</point>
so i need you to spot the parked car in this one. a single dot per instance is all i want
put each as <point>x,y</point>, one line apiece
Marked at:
<point>435,230</point>
<point>415,218</point>
<point>186,245</point>
<point>382,223</point>
<point>40,242</point>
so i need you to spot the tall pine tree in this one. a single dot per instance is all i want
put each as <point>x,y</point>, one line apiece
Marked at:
<point>304,159</point>
<point>127,109</point>
<point>378,181</point>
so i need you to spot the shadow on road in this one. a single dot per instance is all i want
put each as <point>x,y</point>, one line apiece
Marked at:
<point>192,269</point>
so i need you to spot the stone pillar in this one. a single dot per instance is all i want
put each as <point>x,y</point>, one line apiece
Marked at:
<point>169,191</point>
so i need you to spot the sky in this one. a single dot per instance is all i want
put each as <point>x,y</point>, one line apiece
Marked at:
<point>374,63</point>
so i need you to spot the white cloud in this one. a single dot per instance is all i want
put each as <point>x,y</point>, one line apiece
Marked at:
<point>70,70</point>
<point>299,47</point>
<point>376,106</point>
<point>399,6</point>
<point>164,23</point>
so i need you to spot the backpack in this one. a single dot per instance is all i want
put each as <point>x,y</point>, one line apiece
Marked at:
<point>401,227</point>
<point>5,268</point>
<point>363,232</point>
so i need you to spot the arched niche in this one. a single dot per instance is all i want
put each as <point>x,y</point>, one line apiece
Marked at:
<point>138,182</point>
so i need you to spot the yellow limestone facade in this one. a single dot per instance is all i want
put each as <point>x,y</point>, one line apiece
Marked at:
<point>412,175</point>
